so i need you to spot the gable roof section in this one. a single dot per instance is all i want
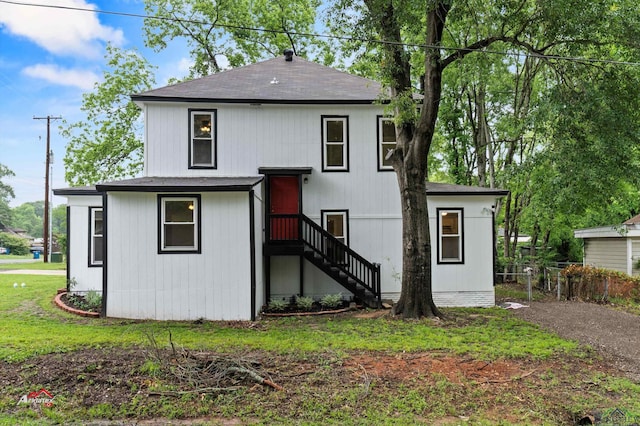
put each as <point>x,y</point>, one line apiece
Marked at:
<point>274,81</point>
<point>633,221</point>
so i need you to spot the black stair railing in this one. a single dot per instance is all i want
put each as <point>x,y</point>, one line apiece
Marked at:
<point>335,255</point>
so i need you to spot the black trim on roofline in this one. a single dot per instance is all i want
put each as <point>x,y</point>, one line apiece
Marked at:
<point>160,188</point>
<point>76,191</point>
<point>285,170</point>
<point>136,98</point>
<point>496,193</point>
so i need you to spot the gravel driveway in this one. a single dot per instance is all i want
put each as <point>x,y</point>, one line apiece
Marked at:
<point>614,334</point>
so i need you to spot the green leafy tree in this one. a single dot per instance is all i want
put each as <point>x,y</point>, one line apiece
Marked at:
<point>26,217</point>
<point>59,220</point>
<point>16,245</point>
<point>6,193</point>
<point>107,144</point>
<point>224,29</point>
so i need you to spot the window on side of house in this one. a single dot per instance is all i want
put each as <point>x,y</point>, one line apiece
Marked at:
<point>95,236</point>
<point>450,236</point>
<point>335,143</point>
<point>202,139</point>
<point>179,219</point>
<point>336,223</point>
<point>386,142</point>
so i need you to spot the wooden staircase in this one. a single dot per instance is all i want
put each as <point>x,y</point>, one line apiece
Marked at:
<point>331,256</point>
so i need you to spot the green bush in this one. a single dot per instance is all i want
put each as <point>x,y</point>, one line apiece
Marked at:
<point>277,305</point>
<point>331,301</point>
<point>304,303</point>
<point>17,245</point>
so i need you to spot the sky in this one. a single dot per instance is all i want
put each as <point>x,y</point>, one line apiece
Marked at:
<point>49,57</point>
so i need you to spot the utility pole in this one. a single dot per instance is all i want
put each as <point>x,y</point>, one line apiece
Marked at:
<point>45,227</point>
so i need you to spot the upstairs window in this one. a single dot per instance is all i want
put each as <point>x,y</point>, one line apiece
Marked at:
<point>96,236</point>
<point>335,143</point>
<point>386,142</point>
<point>450,237</point>
<point>202,139</point>
<point>179,224</point>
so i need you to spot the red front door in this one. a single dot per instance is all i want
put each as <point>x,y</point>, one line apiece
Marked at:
<point>284,192</point>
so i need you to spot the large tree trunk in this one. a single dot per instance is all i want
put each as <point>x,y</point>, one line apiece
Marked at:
<point>416,298</point>
<point>410,162</point>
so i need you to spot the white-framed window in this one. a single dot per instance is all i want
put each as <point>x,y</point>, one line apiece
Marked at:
<point>179,220</point>
<point>202,139</point>
<point>96,236</point>
<point>450,235</point>
<point>336,223</point>
<point>386,142</point>
<point>335,143</point>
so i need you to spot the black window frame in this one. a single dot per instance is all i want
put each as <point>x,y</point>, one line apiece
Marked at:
<point>214,138</point>
<point>92,262</point>
<point>197,225</point>
<point>460,212</point>
<point>379,143</point>
<point>324,119</point>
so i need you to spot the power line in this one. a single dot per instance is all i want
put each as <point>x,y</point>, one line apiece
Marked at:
<point>327,36</point>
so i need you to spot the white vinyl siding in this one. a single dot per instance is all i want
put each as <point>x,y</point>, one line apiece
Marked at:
<point>84,276</point>
<point>254,136</point>
<point>215,284</point>
<point>609,253</point>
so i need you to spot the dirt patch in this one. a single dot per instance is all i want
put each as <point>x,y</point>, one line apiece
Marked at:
<point>613,333</point>
<point>91,377</point>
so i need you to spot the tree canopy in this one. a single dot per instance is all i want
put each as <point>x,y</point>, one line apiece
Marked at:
<point>6,193</point>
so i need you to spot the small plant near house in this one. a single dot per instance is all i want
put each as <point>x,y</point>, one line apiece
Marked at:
<point>71,283</point>
<point>277,305</point>
<point>331,301</point>
<point>304,303</point>
<point>90,301</point>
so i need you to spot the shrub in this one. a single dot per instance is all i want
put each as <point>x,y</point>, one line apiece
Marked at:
<point>331,301</point>
<point>94,300</point>
<point>588,283</point>
<point>277,305</point>
<point>304,303</point>
<point>17,245</point>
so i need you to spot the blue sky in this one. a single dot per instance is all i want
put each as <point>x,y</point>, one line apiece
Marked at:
<point>48,59</point>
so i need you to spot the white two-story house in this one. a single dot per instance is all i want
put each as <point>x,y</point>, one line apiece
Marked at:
<point>263,182</point>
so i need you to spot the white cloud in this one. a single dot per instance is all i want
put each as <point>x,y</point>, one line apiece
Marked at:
<point>64,77</point>
<point>60,31</point>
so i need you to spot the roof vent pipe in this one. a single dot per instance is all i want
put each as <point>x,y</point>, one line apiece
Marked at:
<point>288,55</point>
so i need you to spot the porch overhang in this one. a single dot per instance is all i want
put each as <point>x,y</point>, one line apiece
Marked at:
<point>182,184</point>
<point>290,171</point>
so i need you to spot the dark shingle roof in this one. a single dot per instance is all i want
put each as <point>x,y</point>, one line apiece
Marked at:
<point>182,184</point>
<point>435,188</point>
<point>78,190</point>
<point>273,81</point>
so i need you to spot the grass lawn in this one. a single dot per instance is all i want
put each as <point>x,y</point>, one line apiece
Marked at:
<point>479,366</point>
<point>36,264</point>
